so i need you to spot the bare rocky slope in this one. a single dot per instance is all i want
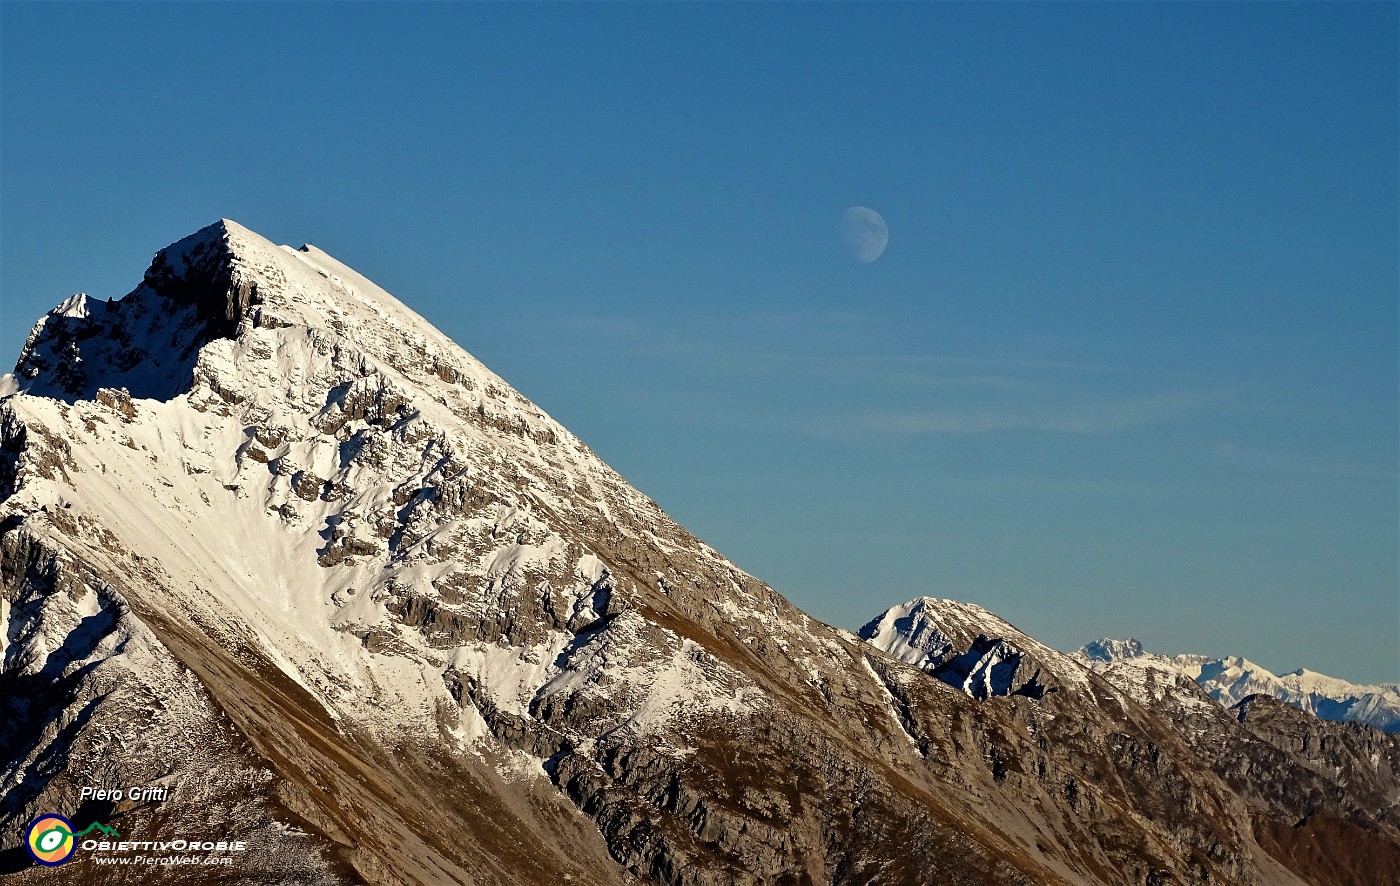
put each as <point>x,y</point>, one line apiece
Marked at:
<point>273,542</point>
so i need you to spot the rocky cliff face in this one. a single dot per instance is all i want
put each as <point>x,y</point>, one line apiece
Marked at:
<point>271,540</point>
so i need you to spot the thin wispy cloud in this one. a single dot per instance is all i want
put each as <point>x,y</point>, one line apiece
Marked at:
<point>1102,416</point>
<point>903,394</point>
<point>838,346</point>
<point>1340,467</point>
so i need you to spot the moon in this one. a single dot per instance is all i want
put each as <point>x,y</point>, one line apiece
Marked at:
<point>865,233</point>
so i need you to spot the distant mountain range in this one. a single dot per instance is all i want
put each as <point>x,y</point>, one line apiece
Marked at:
<point>1231,680</point>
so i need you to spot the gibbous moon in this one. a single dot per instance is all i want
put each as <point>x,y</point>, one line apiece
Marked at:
<point>866,233</point>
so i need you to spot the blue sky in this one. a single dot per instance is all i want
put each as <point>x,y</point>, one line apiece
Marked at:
<point>1128,366</point>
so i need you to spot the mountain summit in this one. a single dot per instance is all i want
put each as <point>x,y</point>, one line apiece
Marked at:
<point>272,542</point>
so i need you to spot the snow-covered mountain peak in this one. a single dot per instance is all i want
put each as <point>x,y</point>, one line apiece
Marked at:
<point>196,290</point>
<point>213,307</point>
<point>969,648</point>
<point>399,496</point>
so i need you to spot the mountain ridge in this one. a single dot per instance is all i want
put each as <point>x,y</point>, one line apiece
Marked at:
<point>264,515</point>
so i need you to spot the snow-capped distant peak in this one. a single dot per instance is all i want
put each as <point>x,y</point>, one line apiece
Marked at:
<point>1111,650</point>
